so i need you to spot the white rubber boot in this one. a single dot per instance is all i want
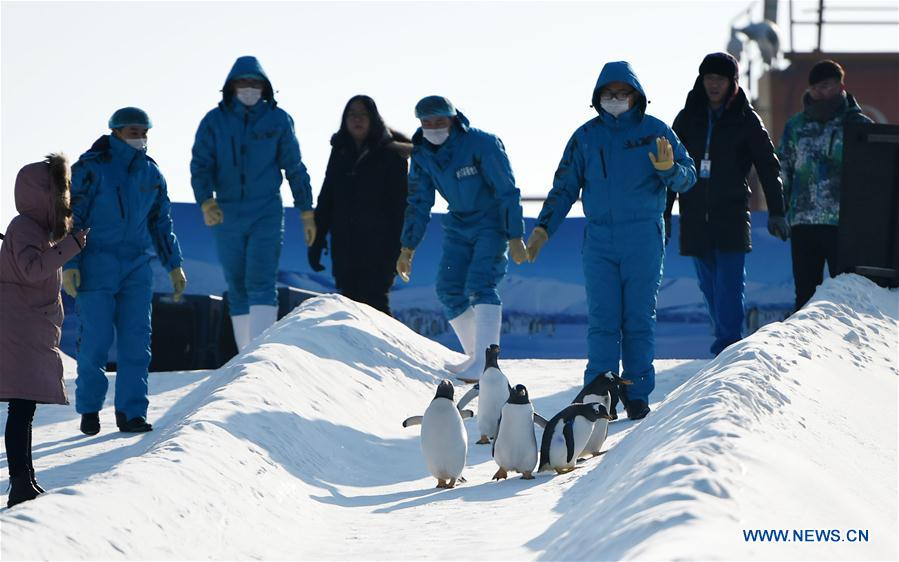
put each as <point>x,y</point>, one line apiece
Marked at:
<point>463,325</point>
<point>261,317</point>
<point>241,326</point>
<point>488,321</point>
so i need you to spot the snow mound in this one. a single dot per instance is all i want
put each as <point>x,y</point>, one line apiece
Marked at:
<point>295,449</point>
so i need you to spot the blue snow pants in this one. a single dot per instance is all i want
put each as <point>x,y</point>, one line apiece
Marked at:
<point>722,279</point>
<point>623,271</point>
<point>249,244</point>
<point>473,263</point>
<point>116,293</point>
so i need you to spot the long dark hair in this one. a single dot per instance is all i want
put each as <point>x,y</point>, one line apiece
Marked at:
<point>377,130</point>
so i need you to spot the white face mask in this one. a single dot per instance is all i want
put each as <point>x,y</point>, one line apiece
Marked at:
<point>137,144</point>
<point>436,136</point>
<point>615,107</point>
<point>249,96</point>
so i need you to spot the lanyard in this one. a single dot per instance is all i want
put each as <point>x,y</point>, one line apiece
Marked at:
<point>708,136</point>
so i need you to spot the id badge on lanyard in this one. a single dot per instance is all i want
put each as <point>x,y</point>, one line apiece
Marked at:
<point>705,167</point>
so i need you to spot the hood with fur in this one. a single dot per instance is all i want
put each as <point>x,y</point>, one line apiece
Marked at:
<point>42,194</point>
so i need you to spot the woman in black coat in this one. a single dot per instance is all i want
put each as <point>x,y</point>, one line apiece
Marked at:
<point>362,204</point>
<point>725,137</point>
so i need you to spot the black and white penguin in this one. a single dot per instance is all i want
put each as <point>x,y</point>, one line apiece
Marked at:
<point>598,391</point>
<point>443,439</point>
<point>515,446</point>
<point>566,434</point>
<point>492,394</point>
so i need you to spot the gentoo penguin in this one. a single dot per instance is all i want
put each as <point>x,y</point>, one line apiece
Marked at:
<point>566,434</point>
<point>598,391</point>
<point>493,391</point>
<point>515,447</point>
<point>443,436</point>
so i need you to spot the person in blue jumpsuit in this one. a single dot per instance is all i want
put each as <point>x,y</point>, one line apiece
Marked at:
<point>240,150</point>
<point>119,194</point>
<point>470,169</point>
<point>610,162</point>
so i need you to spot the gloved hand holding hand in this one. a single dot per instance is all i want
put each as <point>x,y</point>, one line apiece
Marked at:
<point>404,263</point>
<point>212,213</point>
<point>81,237</point>
<point>536,240</point>
<point>71,280</point>
<point>518,251</point>
<point>179,283</point>
<point>314,254</point>
<point>665,159</point>
<point>308,218</point>
<point>778,227</point>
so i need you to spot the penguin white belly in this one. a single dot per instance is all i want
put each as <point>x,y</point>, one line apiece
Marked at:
<point>443,439</point>
<point>516,445</point>
<point>601,427</point>
<point>582,428</point>
<point>494,391</point>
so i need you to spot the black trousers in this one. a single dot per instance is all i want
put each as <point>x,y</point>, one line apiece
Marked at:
<point>811,246</point>
<point>368,287</point>
<point>18,436</point>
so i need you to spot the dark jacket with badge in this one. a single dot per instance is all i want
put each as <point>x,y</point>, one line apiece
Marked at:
<point>361,205</point>
<point>715,213</point>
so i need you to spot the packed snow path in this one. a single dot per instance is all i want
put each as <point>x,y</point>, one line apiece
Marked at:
<point>295,450</point>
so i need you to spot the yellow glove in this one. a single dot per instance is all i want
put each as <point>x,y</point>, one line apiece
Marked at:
<point>71,280</point>
<point>536,240</point>
<point>179,283</point>
<point>404,263</point>
<point>665,159</point>
<point>308,218</point>
<point>517,250</point>
<point>212,213</point>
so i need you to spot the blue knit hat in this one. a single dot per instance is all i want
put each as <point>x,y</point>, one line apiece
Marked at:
<point>434,106</point>
<point>130,116</point>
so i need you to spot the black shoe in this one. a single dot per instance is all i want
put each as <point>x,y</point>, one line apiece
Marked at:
<point>90,423</point>
<point>636,409</point>
<point>20,490</point>
<point>34,482</point>
<point>134,425</point>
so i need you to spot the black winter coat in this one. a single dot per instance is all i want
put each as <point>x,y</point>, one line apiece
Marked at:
<point>715,213</point>
<point>362,204</point>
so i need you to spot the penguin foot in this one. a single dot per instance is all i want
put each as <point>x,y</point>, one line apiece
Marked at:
<point>451,483</point>
<point>484,440</point>
<point>441,483</point>
<point>501,474</point>
<point>526,475</point>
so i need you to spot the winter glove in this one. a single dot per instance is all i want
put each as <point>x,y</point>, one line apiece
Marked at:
<point>778,227</point>
<point>518,251</point>
<point>308,218</point>
<point>71,280</point>
<point>667,229</point>
<point>179,283</point>
<point>536,240</point>
<point>314,254</point>
<point>665,159</point>
<point>212,213</point>
<point>404,263</point>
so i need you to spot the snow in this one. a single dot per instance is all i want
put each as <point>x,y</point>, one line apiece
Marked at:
<point>295,449</point>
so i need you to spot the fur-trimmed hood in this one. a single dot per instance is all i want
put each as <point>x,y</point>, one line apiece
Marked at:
<point>42,193</point>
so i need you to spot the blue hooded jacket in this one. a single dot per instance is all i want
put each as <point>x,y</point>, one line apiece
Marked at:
<point>472,172</point>
<point>607,159</point>
<point>239,151</point>
<point>121,195</point>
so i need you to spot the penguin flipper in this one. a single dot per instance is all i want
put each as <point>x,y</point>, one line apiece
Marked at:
<point>568,432</point>
<point>414,420</point>
<point>539,420</point>
<point>468,397</point>
<point>466,414</point>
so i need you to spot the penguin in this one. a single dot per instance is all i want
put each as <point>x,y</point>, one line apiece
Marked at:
<point>598,391</point>
<point>493,391</point>
<point>566,434</point>
<point>443,440</point>
<point>515,446</point>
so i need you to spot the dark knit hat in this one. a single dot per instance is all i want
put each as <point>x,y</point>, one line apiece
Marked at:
<point>720,63</point>
<point>825,69</point>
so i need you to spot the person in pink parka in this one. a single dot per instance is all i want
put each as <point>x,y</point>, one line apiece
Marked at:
<point>36,245</point>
